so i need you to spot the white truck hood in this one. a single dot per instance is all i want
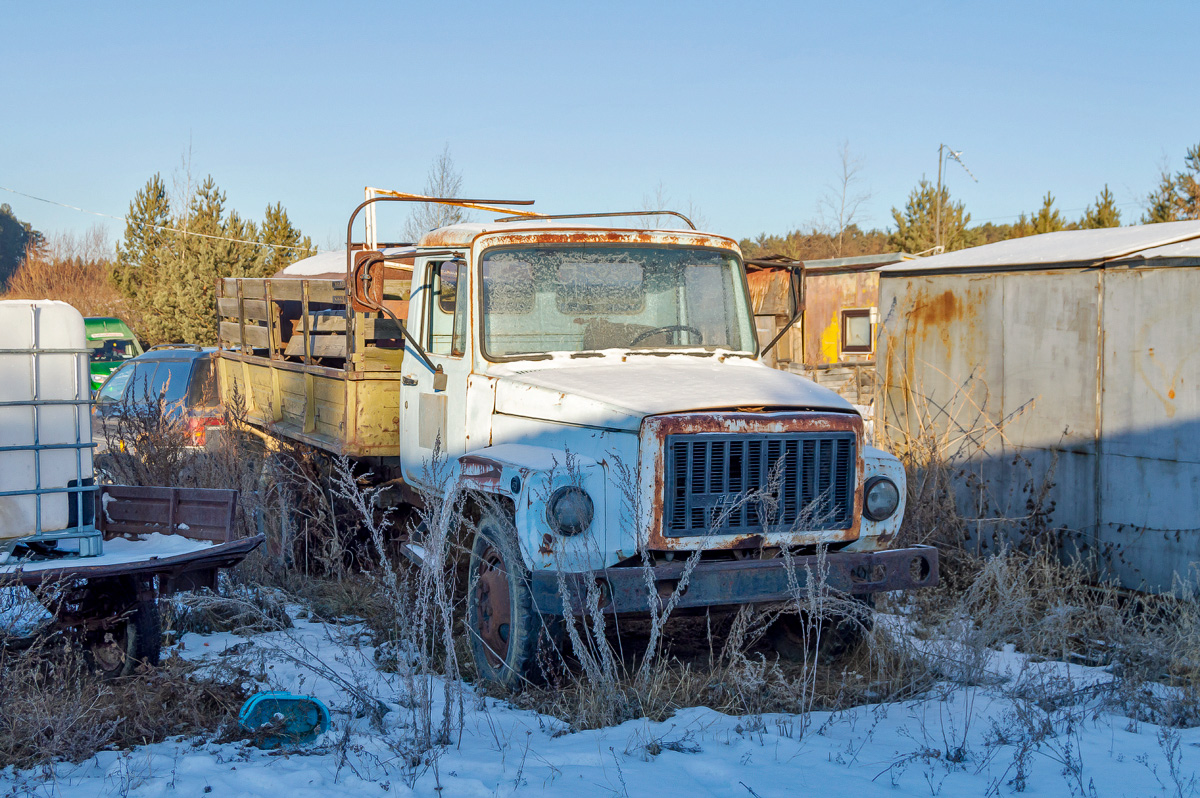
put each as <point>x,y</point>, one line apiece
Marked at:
<point>618,396</point>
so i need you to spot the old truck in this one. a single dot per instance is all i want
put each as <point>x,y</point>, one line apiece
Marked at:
<point>601,390</point>
<point>97,556</point>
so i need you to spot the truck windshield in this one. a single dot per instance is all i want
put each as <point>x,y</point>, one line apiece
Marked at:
<point>588,298</point>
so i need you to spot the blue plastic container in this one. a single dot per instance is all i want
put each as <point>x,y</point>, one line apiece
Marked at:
<point>281,718</point>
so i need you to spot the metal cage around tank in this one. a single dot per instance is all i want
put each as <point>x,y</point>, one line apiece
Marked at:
<point>79,491</point>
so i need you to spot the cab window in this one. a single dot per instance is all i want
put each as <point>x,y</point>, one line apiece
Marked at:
<point>446,309</point>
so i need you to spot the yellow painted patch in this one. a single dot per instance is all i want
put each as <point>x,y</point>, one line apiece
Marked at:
<point>830,341</point>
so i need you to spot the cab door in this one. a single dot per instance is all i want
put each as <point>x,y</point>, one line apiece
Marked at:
<point>434,416</point>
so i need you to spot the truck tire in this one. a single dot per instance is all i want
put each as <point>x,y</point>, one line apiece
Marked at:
<point>791,636</point>
<point>135,638</point>
<point>503,626</point>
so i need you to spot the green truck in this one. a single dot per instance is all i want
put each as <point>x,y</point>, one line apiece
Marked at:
<point>110,343</point>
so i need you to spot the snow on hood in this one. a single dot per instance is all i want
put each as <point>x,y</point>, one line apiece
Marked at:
<point>619,395</point>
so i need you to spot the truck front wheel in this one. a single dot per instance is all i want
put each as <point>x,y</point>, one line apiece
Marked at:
<point>800,638</point>
<point>504,628</point>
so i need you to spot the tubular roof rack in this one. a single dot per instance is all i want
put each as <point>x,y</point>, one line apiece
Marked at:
<point>383,195</point>
<point>595,216</point>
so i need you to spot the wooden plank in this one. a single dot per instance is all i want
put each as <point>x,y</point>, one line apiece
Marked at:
<point>256,337</point>
<point>230,332</point>
<point>381,328</point>
<point>329,292</point>
<point>253,287</point>
<point>326,323</point>
<point>376,361</point>
<point>256,309</point>
<point>319,346</point>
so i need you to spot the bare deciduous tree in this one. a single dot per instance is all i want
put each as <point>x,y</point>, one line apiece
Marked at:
<point>839,206</point>
<point>444,180</point>
<point>660,200</point>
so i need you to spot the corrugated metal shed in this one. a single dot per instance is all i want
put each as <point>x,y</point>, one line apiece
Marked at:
<point>1074,354</point>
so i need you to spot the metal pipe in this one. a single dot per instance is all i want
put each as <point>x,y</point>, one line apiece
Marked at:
<point>600,216</point>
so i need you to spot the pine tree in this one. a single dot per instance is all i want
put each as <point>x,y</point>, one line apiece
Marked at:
<point>1187,186</point>
<point>1103,213</point>
<point>278,231</point>
<point>145,253</point>
<point>170,274</point>
<point>1047,219</point>
<point>15,238</point>
<point>915,225</point>
<point>1160,202</point>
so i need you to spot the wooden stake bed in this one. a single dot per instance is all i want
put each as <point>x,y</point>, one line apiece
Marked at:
<point>309,367</point>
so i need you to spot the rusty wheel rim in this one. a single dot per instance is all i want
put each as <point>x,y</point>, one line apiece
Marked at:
<point>108,652</point>
<point>493,606</point>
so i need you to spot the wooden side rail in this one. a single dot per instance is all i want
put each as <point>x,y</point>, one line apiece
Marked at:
<point>196,513</point>
<point>309,321</point>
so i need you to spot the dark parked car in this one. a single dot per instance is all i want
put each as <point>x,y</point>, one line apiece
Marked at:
<point>182,375</point>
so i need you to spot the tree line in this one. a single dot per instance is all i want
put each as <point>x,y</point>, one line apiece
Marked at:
<point>1176,197</point>
<point>162,279</point>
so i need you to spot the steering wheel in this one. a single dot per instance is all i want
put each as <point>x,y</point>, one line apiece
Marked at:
<point>669,328</point>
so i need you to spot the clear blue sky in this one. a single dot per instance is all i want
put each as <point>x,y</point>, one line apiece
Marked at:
<point>740,108</point>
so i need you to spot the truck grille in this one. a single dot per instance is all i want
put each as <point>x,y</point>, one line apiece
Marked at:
<point>723,483</point>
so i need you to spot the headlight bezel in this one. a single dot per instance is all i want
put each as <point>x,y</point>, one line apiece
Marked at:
<point>585,511</point>
<point>870,485</point>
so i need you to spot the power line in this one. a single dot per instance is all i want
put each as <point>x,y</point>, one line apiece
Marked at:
<point>127,220</point>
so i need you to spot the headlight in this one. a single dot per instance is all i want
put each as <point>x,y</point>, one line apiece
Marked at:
<point>569,510</point>
<point>881,497</point>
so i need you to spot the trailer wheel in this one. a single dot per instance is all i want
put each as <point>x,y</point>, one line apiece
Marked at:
<point>503,626</point>
<point>135,638</point>
<point>795,638</point>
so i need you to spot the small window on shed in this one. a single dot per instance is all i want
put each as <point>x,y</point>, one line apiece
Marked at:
<point>856,331</point>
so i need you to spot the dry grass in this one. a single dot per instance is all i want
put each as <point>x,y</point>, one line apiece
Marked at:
<point>73,269</point>
<point>1030,595</point>
<point>53,708</point>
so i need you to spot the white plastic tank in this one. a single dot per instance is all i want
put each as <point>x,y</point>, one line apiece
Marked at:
<point>45,424</point>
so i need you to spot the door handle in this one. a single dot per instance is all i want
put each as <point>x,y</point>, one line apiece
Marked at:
<point>406,380</point>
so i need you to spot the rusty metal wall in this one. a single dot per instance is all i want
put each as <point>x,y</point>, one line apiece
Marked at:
<point>1072,392</point>
<point>825,296</point>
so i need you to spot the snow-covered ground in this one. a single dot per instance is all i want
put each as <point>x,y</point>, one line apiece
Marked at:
<point>945,744</point>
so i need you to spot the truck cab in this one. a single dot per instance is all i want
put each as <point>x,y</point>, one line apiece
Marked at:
<point>110,343</point>
<point>602,391</point>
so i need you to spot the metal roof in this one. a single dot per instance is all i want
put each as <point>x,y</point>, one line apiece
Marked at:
<point>857,263</point>
<point>1068,248</point>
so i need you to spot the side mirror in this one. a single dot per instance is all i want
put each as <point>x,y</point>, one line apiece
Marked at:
<point>365,290</point>
<point>796,292</point>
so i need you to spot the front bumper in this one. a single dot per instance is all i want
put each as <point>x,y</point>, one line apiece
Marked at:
<point>730,583</point>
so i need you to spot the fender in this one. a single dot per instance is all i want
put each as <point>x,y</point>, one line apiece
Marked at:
<point>528,476</point>
<point>877,535</point>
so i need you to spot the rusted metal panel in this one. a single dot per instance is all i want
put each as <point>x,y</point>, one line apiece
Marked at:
<point>825,297</point>
<point>1150,420</point>
<point>1071,392</point>
<point>769,289</point>
<point>731,583</point>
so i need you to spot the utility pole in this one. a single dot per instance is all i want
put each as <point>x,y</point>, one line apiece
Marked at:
<point>937,215</point>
